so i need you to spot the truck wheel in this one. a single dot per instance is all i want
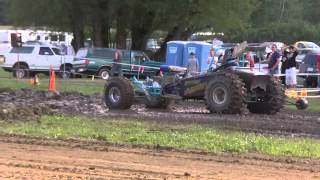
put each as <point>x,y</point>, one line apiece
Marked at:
<point>104,74</point>
<point>271,101</point>
<point>225,93</point>
<point>119,93</point>
<point>21,71</point>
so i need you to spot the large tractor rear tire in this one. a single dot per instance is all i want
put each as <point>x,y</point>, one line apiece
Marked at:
<point>119,93</point>
<point>272,100</point>
<point>225,93</point>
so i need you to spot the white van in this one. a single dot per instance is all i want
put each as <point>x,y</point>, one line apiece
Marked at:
<point>31,59</point>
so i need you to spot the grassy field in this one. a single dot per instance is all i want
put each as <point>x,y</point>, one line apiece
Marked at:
<point>84,85</point>
<point>178,136</point>
<point>89,86</point>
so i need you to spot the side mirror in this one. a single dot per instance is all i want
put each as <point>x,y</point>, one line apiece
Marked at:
<point>46,53</point>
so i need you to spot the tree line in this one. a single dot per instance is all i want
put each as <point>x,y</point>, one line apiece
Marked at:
<point>112,21</point>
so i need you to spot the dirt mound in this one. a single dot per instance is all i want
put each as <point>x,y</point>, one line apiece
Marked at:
<point>30,104</point>
<point>24,104</point>
<point>11,111</point>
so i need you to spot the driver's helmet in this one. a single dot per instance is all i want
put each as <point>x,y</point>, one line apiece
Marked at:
<point>228,54</point>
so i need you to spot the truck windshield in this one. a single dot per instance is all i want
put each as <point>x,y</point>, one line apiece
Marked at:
<point>140,56</point>
<point>22,50</point>
<point>56,51</point>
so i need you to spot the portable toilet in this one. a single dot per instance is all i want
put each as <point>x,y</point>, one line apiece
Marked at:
<point>201,49</point>
<point>174,55</point>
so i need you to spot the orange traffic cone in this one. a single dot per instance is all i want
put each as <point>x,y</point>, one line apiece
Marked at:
<point>52,81</point>
<point>35,81</point>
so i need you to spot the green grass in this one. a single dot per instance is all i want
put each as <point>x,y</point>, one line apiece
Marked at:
<point>84,85</point>
<point>179,136</point>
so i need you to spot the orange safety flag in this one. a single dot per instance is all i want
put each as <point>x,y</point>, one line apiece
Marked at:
<point>303,93</point>
<point>291,93</point>
<point>35,81</point>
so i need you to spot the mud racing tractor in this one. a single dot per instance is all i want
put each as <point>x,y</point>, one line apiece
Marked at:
<point>223,90</point>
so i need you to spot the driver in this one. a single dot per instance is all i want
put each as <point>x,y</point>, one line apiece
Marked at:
<point>229,62</point>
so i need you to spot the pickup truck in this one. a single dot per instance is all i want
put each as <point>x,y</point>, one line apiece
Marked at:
<point>31,59</point>
<point>98,62</point>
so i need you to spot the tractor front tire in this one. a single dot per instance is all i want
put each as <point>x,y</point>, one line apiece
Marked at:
<point>119,93</point>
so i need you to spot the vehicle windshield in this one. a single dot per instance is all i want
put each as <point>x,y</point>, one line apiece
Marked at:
<point>82,53</point>
<point>56,51</point>
<point>140,56</point>
<point>22,50</point>
<point>311,45</point>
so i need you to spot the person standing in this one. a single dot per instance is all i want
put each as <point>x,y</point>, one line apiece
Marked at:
<point>250,60</point>
<point>192,66</point>
<point>284,62</point>
<point>291,71</point>
<point>212,60</point>
<point>116,66</point>
<point>274,60</point>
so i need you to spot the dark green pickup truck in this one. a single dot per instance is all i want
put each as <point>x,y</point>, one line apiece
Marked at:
<point>98,62</point>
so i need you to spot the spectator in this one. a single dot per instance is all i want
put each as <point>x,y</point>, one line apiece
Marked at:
<point>193,66</point>
<point>291,71</point>
<point>274,60</point>
<point>116,66</point>
<point>250,60</point>
<point>284,61</point>
<point>212,60</point>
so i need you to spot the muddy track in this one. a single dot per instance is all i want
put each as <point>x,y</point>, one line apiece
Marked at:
<point>23,156</point>
<point>288,123</point>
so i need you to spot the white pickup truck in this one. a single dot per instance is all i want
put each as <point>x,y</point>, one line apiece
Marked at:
<point>31,59</point>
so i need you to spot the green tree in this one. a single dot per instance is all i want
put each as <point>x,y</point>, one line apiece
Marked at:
<point>4,4</point>
<point>183,18</point>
